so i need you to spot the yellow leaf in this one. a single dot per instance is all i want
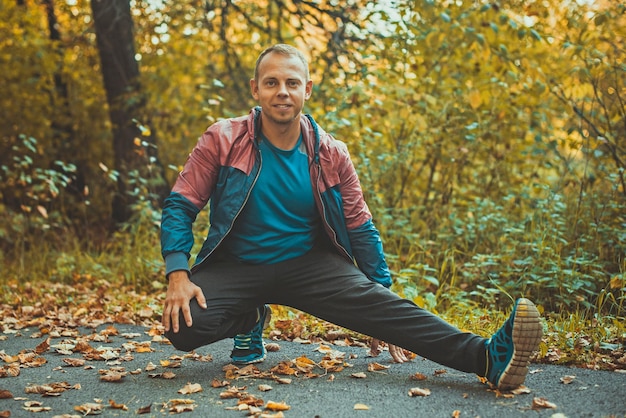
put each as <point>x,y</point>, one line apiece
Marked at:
<point>361,407</point>
<point>475,99</point>
<point>617,282</point>
<point>376,367</point>
<point>276,406</point>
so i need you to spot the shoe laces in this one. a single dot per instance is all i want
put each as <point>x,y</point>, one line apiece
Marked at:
<point>242,341</point>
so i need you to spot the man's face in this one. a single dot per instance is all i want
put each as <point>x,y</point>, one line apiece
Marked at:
<point>281,88</point>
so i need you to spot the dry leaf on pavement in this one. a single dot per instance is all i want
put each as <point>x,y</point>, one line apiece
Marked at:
<point>542,403</point>
<point>276,406</point>
<point>419,392</point>
<point>190,388</point>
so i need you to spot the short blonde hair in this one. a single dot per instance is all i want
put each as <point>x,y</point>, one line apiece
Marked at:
<point>283,49</point>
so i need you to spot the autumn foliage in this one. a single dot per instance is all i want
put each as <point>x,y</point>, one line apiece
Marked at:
<point>489,136</point>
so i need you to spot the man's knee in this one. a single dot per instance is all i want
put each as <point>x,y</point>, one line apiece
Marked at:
<point>190,338</point>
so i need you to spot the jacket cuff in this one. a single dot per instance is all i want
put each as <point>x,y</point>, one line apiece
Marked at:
<point>176,261</point>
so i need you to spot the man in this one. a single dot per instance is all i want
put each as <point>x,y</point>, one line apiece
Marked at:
<point>289,226</point>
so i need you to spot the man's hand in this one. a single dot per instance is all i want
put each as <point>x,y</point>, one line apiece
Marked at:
<point>397,353</point>
<point>180,291</point>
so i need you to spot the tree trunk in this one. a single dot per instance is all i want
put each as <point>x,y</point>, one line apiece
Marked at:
<point>120,72</point>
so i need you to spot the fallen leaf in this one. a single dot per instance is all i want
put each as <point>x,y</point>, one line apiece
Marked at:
<point>89,408</point>
<point>231,393</point>
<point>418,376</point>
<point>284,367</point>
<point>359,375</point>
<point>5,414</point>
<point>304,364</point>
<point>456,414</point>
<point>419,392</point>
<point>110,330</point>
<point>265,388</point>
<point>566,380</point>
<point>276,406</point>
<point>144,349</point>
<point>272,347</point>
<point>361,407</point>
<point>219,383</point>
<point>115,405</point>
<point>144,409</point>
<point>180,401</point>
<point>171,364</point>
<point>542,403</point>
<point>43,346</point>
<point>190,388</point>
<point>37,408</point>
<point>177,409</point>
<point>49,389</point>
<point>112,376</point>
<point>250,400</point>
<point>376,367</point>
<point>5,394</point>
<point>74,362</point>
<point>520,390</point>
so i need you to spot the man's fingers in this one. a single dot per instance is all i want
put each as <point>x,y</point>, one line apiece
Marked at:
<point>374,347</point>
<point>187,315</point>
<point>174,319</point>
<point>166,318</point>
<point>397,354</point>
<point>200,297</point>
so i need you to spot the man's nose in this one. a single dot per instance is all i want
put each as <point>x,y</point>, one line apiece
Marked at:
<point>282,89</point>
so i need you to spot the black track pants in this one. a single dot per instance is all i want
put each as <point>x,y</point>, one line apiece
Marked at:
<point>329,287</point>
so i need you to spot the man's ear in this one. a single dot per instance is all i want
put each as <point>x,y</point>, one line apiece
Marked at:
<point>308,89</point>
<point>254,89</point>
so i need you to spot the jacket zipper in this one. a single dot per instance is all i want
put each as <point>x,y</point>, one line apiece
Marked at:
<point>323,214</point>
<point>258,173</point>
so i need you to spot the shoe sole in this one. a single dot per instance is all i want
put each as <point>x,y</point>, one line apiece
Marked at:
<point>527,333</point>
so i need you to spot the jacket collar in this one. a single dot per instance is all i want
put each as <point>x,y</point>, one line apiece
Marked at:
<point>307,119</point>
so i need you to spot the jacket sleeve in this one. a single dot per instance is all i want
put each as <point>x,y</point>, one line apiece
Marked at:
<point>367,249</point>
<point>177,239</point>
<point>190,194</point>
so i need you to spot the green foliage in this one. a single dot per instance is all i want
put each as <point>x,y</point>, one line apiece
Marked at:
<point>489,137</point>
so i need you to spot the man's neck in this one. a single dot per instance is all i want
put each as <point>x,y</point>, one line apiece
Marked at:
<point>282,136</point>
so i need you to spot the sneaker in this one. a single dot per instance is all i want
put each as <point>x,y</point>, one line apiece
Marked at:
<point>249,348</point>
<point>510,348</point>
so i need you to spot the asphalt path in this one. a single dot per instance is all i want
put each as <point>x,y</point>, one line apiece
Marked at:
<point>571,392</point>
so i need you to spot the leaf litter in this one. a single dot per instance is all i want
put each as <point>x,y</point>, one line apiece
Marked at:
<point>58,322</point>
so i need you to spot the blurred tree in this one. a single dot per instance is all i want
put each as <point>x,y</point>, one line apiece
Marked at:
<point>134,161</point>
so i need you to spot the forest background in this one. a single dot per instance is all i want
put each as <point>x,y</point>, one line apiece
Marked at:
<point>489,137</point>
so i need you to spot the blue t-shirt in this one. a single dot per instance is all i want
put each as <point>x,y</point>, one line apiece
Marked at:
<point>279,221</point>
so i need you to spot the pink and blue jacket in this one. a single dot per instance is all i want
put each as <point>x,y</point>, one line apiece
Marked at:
<point>222,169</point>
